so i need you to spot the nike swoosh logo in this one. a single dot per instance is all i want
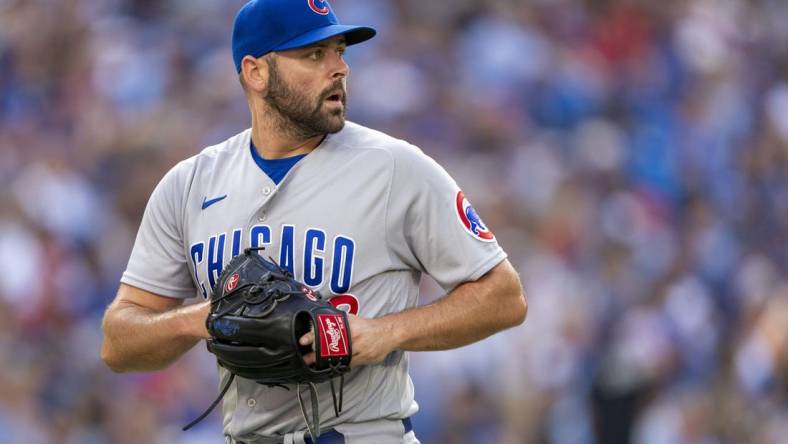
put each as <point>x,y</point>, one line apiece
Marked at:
<point>207,203</point>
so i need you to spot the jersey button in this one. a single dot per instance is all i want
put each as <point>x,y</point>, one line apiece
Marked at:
<point>251,402</point>
<point>262,217</point>
<point>266,191</point>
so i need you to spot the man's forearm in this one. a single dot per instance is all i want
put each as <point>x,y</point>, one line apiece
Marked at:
<point>471,312</point>
<point>137,338</point>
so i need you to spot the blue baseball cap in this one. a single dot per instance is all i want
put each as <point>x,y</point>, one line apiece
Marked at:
<point>262,26</point>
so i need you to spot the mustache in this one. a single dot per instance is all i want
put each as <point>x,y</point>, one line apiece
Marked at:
<point>337,88</point>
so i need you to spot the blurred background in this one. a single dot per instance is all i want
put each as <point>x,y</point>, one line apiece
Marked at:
<point>629,155</point>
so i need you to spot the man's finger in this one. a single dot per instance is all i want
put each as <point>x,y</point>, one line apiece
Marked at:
<point>307,339</point>
<point>309,358</point>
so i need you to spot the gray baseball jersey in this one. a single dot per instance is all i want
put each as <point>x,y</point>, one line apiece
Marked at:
<point>358,219</point>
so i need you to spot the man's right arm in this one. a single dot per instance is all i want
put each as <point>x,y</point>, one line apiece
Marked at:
<point>144,331</point>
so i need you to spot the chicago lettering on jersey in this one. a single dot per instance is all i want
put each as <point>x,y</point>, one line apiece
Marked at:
<point>315,250</point>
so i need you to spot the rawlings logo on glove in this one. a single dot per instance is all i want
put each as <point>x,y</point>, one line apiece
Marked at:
<point>333,335</point>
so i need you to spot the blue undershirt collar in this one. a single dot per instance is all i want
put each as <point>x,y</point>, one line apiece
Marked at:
<point>276,169</point>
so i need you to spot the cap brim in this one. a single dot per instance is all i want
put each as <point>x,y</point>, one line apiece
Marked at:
<point>353,35</point>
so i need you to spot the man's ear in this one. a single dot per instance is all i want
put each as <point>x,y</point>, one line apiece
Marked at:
<point>254,73</point>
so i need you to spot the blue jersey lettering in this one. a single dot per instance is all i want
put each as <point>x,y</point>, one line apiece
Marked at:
<point>215,257</point>
<point>342,269</point>
<point>314,242</point>
<point>287,248</point>
<point>196,253</point>
<point>236,242</point>
<point>260,236</point>
<point>211,260</point>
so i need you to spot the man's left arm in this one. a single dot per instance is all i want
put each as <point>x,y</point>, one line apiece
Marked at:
<point>470,312</point>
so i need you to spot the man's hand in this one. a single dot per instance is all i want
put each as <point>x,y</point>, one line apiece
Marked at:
<point>371,342</point>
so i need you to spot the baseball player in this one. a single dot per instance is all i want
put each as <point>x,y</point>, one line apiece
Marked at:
<point>353,213</point>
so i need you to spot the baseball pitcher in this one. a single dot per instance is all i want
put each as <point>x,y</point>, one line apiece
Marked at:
<point>305,237</point>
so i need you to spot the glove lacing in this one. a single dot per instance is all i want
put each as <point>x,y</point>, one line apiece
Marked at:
<point>314,427</point>
<point>213,404</point>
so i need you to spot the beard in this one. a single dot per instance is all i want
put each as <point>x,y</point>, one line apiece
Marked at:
<point>297,114</point>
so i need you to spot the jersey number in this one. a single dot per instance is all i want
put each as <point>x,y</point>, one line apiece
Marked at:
<point>345,302</point>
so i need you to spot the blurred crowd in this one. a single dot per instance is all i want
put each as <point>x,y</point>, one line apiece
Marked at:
<point>630,155</point>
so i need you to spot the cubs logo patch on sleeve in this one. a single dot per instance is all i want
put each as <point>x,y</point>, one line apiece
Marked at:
<point>471,221</point>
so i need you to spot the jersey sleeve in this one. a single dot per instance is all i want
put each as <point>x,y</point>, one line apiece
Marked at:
<point>158,261</point>
<point>431,225</point>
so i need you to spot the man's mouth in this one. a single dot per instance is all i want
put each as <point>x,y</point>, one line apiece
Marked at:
<point>336,97</point>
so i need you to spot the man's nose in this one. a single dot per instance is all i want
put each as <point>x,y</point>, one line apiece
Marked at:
<point>340,68</point>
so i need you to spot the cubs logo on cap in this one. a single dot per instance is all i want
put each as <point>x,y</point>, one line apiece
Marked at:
<point>322,9</point>
<point>471,221</point>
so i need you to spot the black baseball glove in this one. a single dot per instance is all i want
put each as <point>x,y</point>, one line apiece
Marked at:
<point>258,313</point>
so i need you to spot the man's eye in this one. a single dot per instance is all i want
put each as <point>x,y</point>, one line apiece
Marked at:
<point>316,55</point>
